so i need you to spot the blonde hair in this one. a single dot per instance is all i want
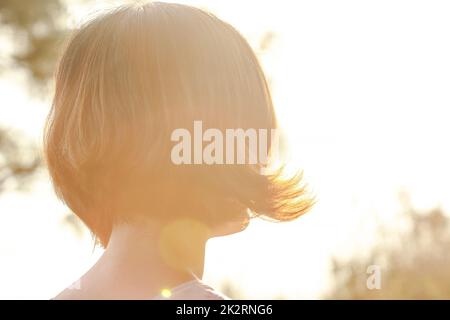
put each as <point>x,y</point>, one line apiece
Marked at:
<point>126,80</point>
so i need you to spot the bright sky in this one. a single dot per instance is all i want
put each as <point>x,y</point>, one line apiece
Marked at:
<point>362,90</point>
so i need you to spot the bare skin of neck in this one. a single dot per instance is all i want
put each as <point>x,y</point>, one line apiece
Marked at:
<point>142,259</point>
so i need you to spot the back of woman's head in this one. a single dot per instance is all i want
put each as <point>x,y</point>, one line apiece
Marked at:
<point>125,82</point>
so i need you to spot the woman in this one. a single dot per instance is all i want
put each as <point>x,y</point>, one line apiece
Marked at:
<point>127,82</point>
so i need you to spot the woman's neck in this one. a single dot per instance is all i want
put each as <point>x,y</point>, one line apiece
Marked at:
<point>142,259</point>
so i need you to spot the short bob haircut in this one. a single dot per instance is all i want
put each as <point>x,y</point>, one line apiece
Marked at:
<point>126,80</point>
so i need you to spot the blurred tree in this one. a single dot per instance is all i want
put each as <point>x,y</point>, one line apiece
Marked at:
<point>17,161</point>
<point>31,34</point>
<point>37,34</point>
<point>415,264</point>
